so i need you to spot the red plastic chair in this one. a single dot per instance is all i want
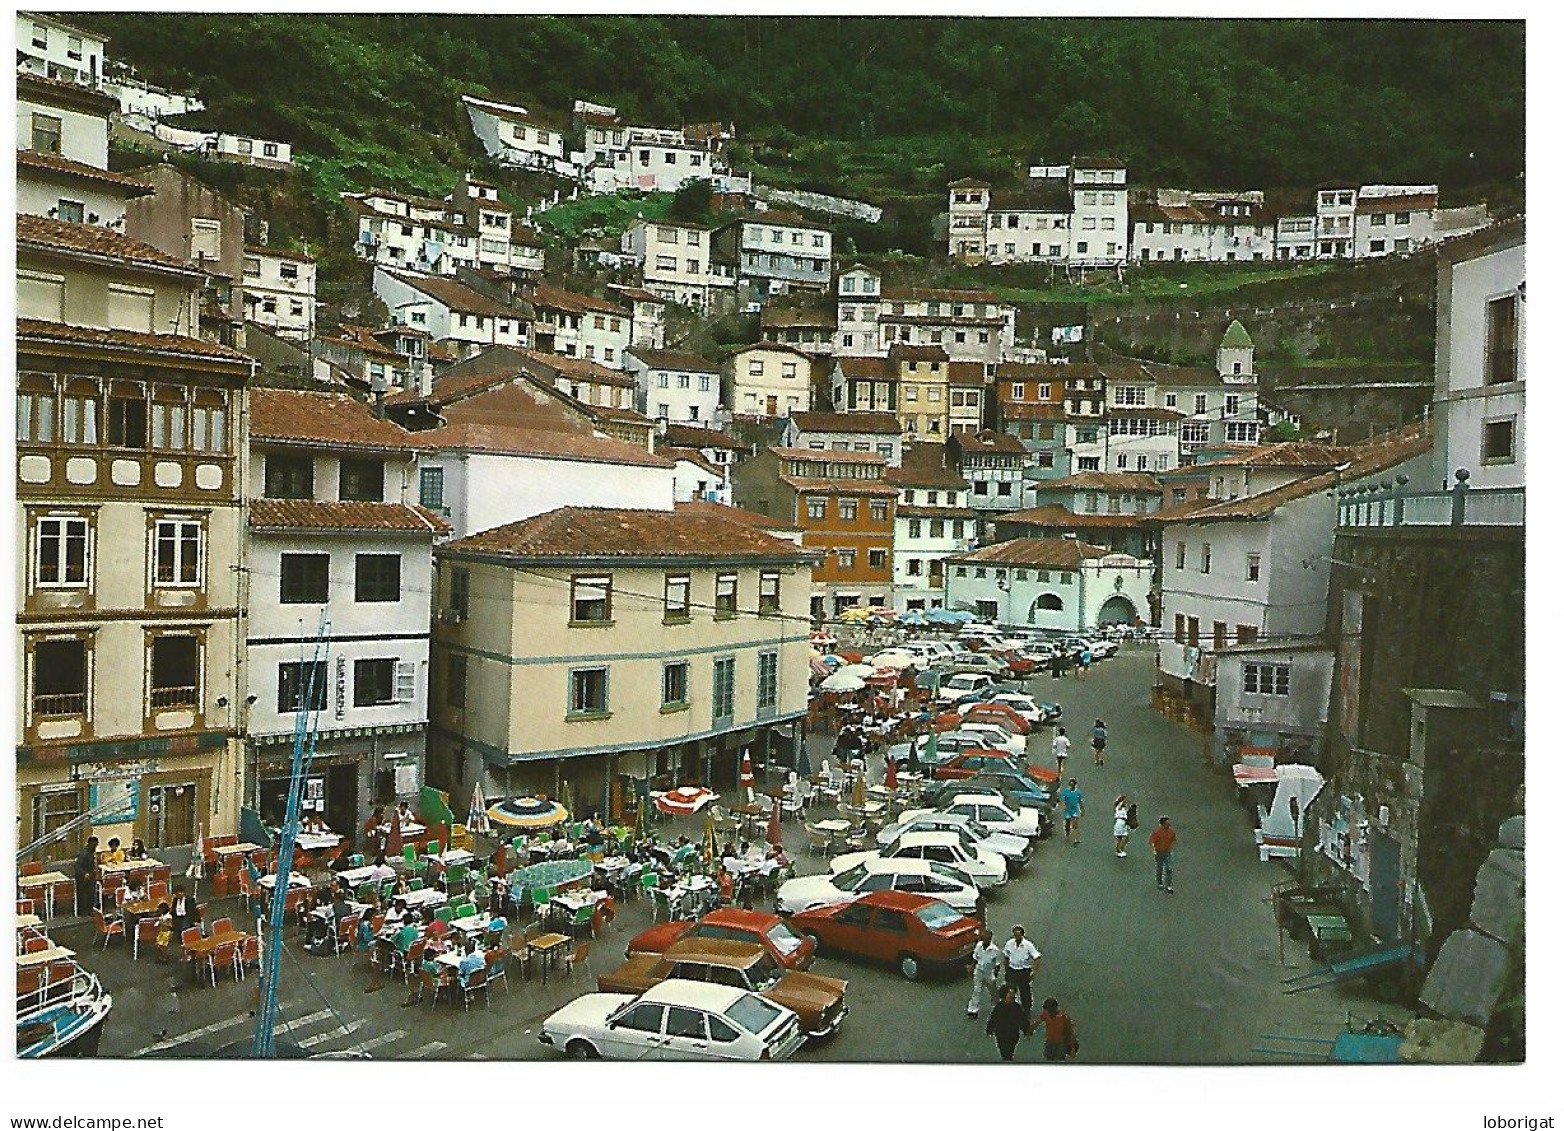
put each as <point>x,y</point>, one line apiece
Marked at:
<point>107,928</point>
<point>146,930</point>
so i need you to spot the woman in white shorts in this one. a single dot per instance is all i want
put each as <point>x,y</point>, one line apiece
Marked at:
<point>1121,824</point>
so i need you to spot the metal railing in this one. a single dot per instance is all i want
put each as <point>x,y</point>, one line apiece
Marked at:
<point>63,705</point>
<point>1389,504</point>
<point>165,697</point>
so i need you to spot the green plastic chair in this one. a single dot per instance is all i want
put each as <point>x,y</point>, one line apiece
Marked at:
<point>583,918</point>
<point>416,885</point>
<point>444,914</point>
<point>432,847</point>
<point>518,844</point>
<point>465,909</point>
<point>648,881</point>
<point>410,853</point>
<point>364,893</point>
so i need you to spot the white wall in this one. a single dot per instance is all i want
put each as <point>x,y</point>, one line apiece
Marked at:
<point>1473,284</point>
<point>1082,593</point>
<point>485,490</point>
<point>83,137</point>
<point>36,196</point>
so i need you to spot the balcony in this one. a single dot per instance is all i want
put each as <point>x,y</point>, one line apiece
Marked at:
<point>173,698</point>
<point>60,706</point>
<point>1389,504</point>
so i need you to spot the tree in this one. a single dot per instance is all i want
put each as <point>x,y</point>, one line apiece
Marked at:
<point>691,200</point>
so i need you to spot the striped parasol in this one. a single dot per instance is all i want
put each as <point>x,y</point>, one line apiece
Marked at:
<point>528,813</point>
<point>747,777</point>
<point>774,829</point>
<point>709,839</point>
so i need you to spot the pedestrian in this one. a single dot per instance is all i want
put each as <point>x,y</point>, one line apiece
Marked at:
<point>1059,1039</point>
<point>1121,824</point>
<point>986,957</point>
<point>1162,840</point>
<point>1061,750</point>
<point>1099,740</point>
<point>1022,958</point>
<point>86,869</point>
<point>1073,806</point>
<point>1056,665</point>
<point>1007,1023</point>
<point>1086,662</point>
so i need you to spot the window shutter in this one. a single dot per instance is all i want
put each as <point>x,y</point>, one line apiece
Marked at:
<point>406,681</point>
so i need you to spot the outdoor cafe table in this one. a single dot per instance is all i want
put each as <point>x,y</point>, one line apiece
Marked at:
<point>136,908</point>
<point>472,924</point>
<point>28,921</point>
<point>368,874</point>
<point>130,868</point>
<point>572,901</point>
<point>546,945</point>
<point>200,948</point>
<point>317,842</point>
<point>612,865</point>
<point>42,957</point>
<point>451,856</point>
<point>834,825</point>
<point>410,829</point>
<point>222,852</point>
<point>295,880</point>
<point>46,880</point>
<point>323,912</point>
<point>452,958</point>
<point>423,897</point>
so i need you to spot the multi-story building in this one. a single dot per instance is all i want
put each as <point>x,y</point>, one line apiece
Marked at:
<point>1065,584</point>
<point>452,313</point>
<point>766,380</point>
<point>933,522</point>
<point>867,384</point>
<point>808,325</point>
<point>476,206</point>
<point>651,158</point>
<point>1335,205</point>
<point>777,252</point>
<point>1099,211</point>
<point>582,649</point>
<point>970,325</point>
<point>472,229</point>
<point>674,386</point>
<point>679,263</point>
<point>593,385</point>
<point>993,463</point>
<point>921,390</point>
<point>577,325</point>
<point>1075,214</point>
<point>1030,401</point>
<point>515,136</point>
<point>845,506</point>
<point>279,291</point>
<point>648,315</point>
<point>1103,507</point>
<point>55,50</point>
<point>1394,219</point>
<point>62,154</point>
<point>340,572</point>
<point>967,396</point>
<point>1203,227</point>
<point>129,524</point>
<point>857,312</point>
<point>877,432</point>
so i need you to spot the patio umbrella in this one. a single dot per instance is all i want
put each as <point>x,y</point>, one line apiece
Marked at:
<point>819,669</point>
<point>890,774</point>
<point>528,813</point>
<point>804,769</point>
<point>893,658</point>
<point>394,841</point>
<point>477,814</point>
<point>685,800</point>
<point>747,776</point>
<point>841,681</point>
<point>857,668</point>
<point>851,657</point>
<point>860,794</point>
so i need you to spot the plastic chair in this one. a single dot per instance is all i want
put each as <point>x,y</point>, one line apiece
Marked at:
<point>494,968</point>
<point>415,885</point>
<point>582,956</point>
<point>247,954</point>
<point>477,981</point>
<point>33,868</point>
<point>445,914</point>
<point>427,981</point>
<point>222,926</point>
<point>465,909</point>
<point>410,853</point>
<point>582,917</point>
<point>107,928</point>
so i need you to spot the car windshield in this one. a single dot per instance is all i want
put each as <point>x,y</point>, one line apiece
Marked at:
<point>946,872</point>
<point>850,879</point>
<point>937,916</point>
<point>753,1013</point>
<point>784,938</point>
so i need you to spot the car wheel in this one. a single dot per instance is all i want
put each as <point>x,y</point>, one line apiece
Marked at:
<point>581,1050</point>
<point>910,969</point>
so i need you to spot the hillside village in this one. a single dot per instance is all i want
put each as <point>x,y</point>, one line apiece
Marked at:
<point>493,441</point>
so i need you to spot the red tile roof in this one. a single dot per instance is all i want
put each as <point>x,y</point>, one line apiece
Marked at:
<point>1126,482</point>
<point>1046,553</point>
<point>32,330</point>
<point>691,455</point>
<point>53,163</point>
<point>866,368</point>
<point>456,296</point>
<point>1054,516</point>
<point>973,443</point>
<point>880,423</point>
<point>506,439</point>
<point>362,337</point>
<point>577,368</point>
<point>689,436</point>
<point>735,514</point>
<point>88,239</point>
<point>335,420</point>
<point>674,360</point>
<point>572,534</point>
<point>903,351</point>
<point>311,514</point>
<point>814,455</point>
<point>557,298</point>
<point>1296,453</point>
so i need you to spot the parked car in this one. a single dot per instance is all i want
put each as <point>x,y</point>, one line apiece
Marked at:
<point>674,1020</point>
<point>790,949</point>
<point>971,763</point>
<point>946,746</point>
<point>991,666</point>
<point>994,736</point>
<point>1016,790</point>
<point>954,684</point>
<point>1023,705</point>
<point>1015,850</point>
<point>984,711</point>
<point>993,814</point>
<point>820,1002</point>
<point>878,874</point>
<point>916,932</point>
<point>985,870</point>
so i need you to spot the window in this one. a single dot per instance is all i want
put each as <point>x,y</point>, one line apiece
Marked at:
<point>879,509</point>
<point>915,528</point>
<point>206,238</point>
<point>914,568</point>
<point>289,476</point>
<point>377,578</point>
<point>876,559</point>
<point>1200,403</point>
<point>846,559</point>
<point>757,368</point>
<point>374,683</point>
<point>62,553</point>
<point>1248,634</point>
<point>59,678</point>
<point>815,508</point>
<point>676,596</point>
<point>1218,634</point>
<point>770,591</point>
<point>35,409</point>
<point>1267,679</point>
<point>431,488</point>
<point>766,679</point>
<point>71,211</point>
<point>1499,441</point>
<point>362,481</point>
<point>1501,355</point>
<point>727,602</point>
<point>722,689</point>
<point>588,691</point>
<point>676,684</point>
<point>176,553</point>
<point>46,133</point>
<point>305,579</point>
<point>301,686</point>
<point>847,510</point>
<point>591,599</point>
<point>1253,568</point>
<point>1230,405</point>
<point>456,681</point>
<point>458,600</point>
<point>1205,557</point>
<point>127,415</point>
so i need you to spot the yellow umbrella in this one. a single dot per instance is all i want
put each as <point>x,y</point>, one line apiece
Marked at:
<point>709,839</point>
<point>859,796</point>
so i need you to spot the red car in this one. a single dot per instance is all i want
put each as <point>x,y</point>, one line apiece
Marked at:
<point>913,931</point>
<point>973,762</point>
<point>791,949</point>
<point>1019,664</point>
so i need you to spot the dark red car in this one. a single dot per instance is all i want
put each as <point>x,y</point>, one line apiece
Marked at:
<point>984,761</point>
<point>791,949</point>
<point>915,932</point>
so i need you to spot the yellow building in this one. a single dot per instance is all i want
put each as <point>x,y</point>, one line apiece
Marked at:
<point>583,648</point>
<point>130,478</point>
<point>922,374</point>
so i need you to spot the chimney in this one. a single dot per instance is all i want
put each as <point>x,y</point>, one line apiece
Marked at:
<point>377,386</point>
<point>423,373</point>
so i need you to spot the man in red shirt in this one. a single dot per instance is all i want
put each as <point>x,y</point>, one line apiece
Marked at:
<point>1162,840</point>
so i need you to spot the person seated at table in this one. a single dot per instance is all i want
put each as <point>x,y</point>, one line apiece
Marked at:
<point>404,886</point>
<point>373,822</point>
<point>591,833</point>
<point>776,861</point>
<point>435,929</point>
<point>397,913</point>
<point>138,850</point>
<point>115,854</point>
<point>473,960</point>
<point>184,911</point>
<point>343,862</point>
<point>405,814</point>
<point>380,861</point>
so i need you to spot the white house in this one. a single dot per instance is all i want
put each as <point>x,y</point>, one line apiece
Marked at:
<point>454,314</point>
<point>334,535</point>
<point>55,50</point>
<point>1393,219</point>
<point>653,159</point>
<point>1203,226</point>
<point>577,325</point>
<point>697,479</point>
<point>674,386</point>
<point>1335,205</point>
<point>1099,218</point>
<point>970,325</point>
<point>279,291</point>
<point>858,312</point>
<point>766,379</point>
<point>1271,699</point>
<point>471,228</point>
<point>933,522</point>
<point>994,464</point>
<point>1249,563</point>
<point>516,136</point>
<point>1480,357</point>
<point>778,252</point>
<point>677,262</point>
<point>648,315</point>
<point>1061,584</point>
<point>62,156</point>
<point>1076,214</point>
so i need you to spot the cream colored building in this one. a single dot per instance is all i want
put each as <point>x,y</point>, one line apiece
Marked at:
<point>583,648</point>
<point>129,526</point>
<point>766,379</point>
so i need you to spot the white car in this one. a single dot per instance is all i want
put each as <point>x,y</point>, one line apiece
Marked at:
<point>1014,850</point>
<point>958,684</point>
<point>1023,705</point>
<point>992,814</point>
<point>986,870</point>
<point>674,1020</point>
<point>946,747</point>
<point>877,873</point>
<point>994,736</point>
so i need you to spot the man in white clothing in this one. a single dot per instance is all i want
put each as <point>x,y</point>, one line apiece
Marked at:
<point>1061,751</point>
<point>1022,959</point>
<point>986,957</point>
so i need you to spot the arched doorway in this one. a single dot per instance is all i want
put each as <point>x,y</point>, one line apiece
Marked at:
<point>1047,603</point>
<point>1117,609</point>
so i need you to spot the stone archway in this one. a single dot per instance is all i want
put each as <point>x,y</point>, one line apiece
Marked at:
<point>1117,609</point>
